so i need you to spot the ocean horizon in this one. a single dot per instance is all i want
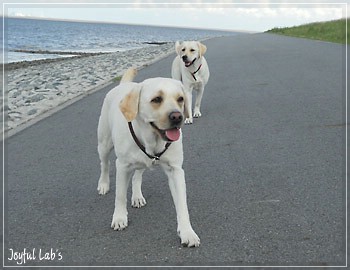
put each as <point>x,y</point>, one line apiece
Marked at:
<point>28,39</point>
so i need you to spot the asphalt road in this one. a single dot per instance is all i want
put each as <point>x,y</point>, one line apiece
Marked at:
<point>265,170</point>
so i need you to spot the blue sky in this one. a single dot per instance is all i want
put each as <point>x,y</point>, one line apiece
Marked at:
<point>246,16</point>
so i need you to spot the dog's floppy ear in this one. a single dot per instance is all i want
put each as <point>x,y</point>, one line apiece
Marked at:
<point>177,47</point>
<point>202,49</point>
<point>129,105</point>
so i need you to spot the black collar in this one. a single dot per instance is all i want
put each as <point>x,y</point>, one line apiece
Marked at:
<point>143,149</point>
<point>193,73</point>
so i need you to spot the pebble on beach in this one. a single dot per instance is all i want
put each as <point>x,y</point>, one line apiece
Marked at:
<point>31,90</point>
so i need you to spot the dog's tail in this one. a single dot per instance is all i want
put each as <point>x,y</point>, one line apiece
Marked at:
<point>129,75</point>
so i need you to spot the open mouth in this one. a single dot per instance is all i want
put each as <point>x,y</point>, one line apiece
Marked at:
<point>170,135</point>
<point>189,63</point>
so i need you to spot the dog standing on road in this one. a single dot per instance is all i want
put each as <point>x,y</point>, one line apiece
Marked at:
<point>192,69</point>
<point>142,121</point>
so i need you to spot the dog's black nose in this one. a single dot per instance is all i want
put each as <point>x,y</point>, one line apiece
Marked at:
<point>184,58</point>
<point>175,117</point>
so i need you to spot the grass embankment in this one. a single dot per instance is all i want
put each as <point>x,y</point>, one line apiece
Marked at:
<point>332,31</point>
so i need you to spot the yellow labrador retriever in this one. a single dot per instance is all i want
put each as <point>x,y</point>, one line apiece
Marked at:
<point>142,121</point>
<point>190,67</point>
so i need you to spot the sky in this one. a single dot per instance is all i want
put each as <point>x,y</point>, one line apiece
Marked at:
<point>255,16</point>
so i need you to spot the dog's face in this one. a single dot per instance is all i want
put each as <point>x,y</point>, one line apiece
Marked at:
<point>159,102</point>
<point>190,51</point>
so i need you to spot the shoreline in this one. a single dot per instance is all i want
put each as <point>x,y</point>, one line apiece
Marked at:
<point>30,63</point>
<point>36,89</point>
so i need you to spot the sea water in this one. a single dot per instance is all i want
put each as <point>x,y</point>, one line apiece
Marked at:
<point>32,39</point>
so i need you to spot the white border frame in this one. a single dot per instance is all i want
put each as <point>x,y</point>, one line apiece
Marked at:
<point>174,4</point>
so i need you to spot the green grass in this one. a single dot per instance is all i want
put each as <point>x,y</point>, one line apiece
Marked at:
<point>117,79</point>
<point>332,31</point>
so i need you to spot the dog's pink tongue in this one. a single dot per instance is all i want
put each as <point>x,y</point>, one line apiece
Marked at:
<point>173,134</point>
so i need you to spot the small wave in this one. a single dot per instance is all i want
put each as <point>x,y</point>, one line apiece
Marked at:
<point>54,52</point>
<point>21,55</point>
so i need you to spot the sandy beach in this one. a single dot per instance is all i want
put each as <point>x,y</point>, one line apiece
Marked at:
<point>33,88</point>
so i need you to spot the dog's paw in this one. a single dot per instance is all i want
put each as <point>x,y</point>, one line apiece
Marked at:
<point>197,114</point>
<point>119,222</point>
<point>138,202</point>
<point>102,188</point>
<point>189,238</point>
<point>188,121</point>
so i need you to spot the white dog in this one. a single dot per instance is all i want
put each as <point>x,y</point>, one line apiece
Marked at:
<point>142,121</point>
<point>191,68</point>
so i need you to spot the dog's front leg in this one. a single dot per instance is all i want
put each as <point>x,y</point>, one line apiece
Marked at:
<point>197,105</point>
<point>188,93</point>
<point>120,216</point>
<point>137,199</point>
<point>177,184</point>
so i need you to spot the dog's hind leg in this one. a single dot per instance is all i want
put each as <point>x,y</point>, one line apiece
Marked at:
<point>104,148</point>
<point>137,199</point>
<point>105,145</point>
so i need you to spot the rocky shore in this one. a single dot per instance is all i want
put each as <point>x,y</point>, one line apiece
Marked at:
<point>32,88</point>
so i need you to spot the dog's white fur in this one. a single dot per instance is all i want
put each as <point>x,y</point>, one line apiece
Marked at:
<point>194,51</point>
<point>134,102</point>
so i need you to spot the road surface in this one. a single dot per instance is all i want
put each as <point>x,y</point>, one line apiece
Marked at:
<point>265,170</point>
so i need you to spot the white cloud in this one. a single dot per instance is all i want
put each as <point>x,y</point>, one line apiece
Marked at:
<point>213,10</point>
<point>20,14</point>
<point>300,13</point>
<point>224,15</point>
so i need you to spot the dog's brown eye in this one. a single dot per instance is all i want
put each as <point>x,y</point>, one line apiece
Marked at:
<point>180,99</point>
<point>192,50</point>
<point>157,100</point>
<point>183,49</point>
